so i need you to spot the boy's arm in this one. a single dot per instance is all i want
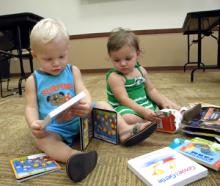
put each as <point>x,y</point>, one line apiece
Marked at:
<point>31,107</point>
<point>84,106</point>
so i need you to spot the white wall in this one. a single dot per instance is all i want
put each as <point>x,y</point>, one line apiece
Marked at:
<point>96,16</point>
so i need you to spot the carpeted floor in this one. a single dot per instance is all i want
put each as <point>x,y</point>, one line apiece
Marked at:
<point>112,163</point>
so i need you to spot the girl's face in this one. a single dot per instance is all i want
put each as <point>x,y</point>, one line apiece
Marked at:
<point>52,57</point>
<point>124,59</point>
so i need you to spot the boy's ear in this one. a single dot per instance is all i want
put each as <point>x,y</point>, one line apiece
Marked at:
<point>138,53</point>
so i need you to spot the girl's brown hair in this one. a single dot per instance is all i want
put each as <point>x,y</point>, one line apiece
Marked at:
<point>121,37</point>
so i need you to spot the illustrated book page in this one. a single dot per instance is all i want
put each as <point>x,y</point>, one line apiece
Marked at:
<point>100,124</point>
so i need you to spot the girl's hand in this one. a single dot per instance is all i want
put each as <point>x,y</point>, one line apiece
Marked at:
<point>37,129</point>
<point>151,116</point>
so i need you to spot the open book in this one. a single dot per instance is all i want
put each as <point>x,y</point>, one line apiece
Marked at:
<point>74,100</point>
<point>100,124</point>
<point>28,167</point>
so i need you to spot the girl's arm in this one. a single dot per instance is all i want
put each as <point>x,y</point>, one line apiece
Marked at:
<point>116,82</point>
<point>161,100</point>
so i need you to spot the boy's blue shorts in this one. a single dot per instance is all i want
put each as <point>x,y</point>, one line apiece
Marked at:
<point>67,131</point>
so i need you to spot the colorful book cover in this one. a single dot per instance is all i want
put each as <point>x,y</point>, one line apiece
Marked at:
<point>170,120</point>
<point>86,132</point>
<point>101,124</point>
<point>105,125</point>
<point>166,167</point>
<point>31,166</point>
<point>211,114</point>
<point>200,150</point>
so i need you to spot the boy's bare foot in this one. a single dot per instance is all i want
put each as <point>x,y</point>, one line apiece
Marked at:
<point>137,133</point>
<point>80,165</point>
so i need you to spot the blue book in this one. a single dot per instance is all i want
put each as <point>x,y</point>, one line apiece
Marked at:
<point>28,167</point>
<point>200,150</point>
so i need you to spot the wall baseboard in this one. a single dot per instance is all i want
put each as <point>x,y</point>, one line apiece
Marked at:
<point>162,68</point>
<point>155,69</point>
<point>137,32</point>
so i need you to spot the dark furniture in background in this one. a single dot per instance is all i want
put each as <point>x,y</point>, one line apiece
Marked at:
<point>4,74</point>
<point>6,45</point>
<point>202,24</point>
<point>14,31</point>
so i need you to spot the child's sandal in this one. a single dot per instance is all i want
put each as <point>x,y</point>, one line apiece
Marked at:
<point>80,165</point>
<point>138,135</point>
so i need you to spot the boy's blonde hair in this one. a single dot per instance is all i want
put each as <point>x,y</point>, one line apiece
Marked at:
<point>45,31</point>
<point>121,37</point>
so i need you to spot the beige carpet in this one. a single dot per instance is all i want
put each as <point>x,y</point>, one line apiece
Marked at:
<point>112,163</point>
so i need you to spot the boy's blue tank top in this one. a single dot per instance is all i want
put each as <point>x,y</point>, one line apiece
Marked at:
<point>53,91</point>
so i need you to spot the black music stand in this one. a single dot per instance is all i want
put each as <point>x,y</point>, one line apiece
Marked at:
<point>201,23</point>
<point>19,26</point>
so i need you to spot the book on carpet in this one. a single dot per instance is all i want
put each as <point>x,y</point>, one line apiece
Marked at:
<point>170,120</point>
<point>200,150</point>
<point>166,167</point>
<point>74,100</point>
<point>207,125</point>
<point>28,167</point>
<point>100,124</point>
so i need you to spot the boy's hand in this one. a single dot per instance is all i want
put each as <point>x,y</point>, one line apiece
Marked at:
<point>37,129</point>
<point>82,109</point>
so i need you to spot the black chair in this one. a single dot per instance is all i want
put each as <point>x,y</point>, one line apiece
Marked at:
<point>7,46</point>
<point>16,28</point>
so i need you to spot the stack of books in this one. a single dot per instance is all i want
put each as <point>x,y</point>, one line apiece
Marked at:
<point>207,125</point>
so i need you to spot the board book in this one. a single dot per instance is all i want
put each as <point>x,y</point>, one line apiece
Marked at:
<point>74,100</point>
<point>28,167</point>
<point>200,150</point>
<point>166,167</point>
<point>101,124</point>
<point>207,125</point>
<point>170,120</point>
